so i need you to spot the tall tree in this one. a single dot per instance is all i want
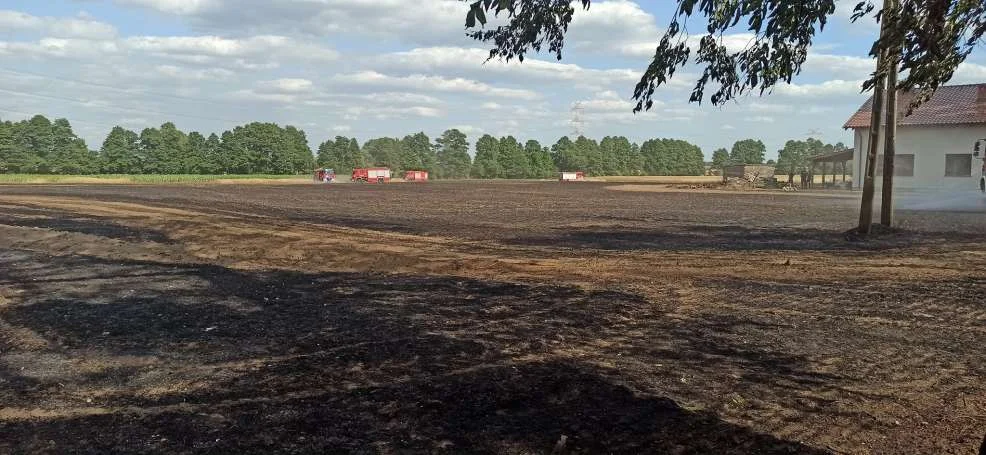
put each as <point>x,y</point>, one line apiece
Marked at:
<point>333,154</point>
<point>6,146</point>
<point>512,159</point>
<point>354,156</point>
<point>34,142</point>
<point>486,166</point>
<point>453,157</point>
<point>539,161</point>
<point>386,152</point>
<point>119,154</point>
<point>748,151</point>
<point>618,156</point>
<point>212,160</point>
<point>719,159</point>
<point>416,152</point>
<point>69,154</point>
<point>196,161</point>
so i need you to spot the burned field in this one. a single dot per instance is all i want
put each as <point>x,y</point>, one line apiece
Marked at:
<point>483,318</point>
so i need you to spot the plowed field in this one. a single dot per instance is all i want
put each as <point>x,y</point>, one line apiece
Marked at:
<point>483,318</point>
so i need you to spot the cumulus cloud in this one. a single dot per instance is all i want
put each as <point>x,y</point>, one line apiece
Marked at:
<point>433,83</point>
<point>57,27</point>
<point>179,7</point>
<point>390,19</point>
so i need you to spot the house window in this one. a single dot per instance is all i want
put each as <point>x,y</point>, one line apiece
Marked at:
<point>903,165</point>
<point>958,165</point>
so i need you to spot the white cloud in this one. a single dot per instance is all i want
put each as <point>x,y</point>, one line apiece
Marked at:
<point>434,83</point>
<point>204,47</point>
<point>761,119</point>
<point>179,7</point>
<point>57,27</point>
<point>288,85</point>
<point>473,61</point>
<point>832,88</point>
<point>614,26</point>
<point>187,74</point>
<point>427,21</point>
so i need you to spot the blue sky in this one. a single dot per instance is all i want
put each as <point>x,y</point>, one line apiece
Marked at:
<point>370,68</point>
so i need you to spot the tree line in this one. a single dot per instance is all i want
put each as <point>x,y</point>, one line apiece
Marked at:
<point>793,159</point>
<point>40,146</point>
<point>508,157</point>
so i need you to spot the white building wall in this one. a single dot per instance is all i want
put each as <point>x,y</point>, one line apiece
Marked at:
<point>929,145</point>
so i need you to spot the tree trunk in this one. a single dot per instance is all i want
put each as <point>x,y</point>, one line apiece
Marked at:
<point>869,178</point>
<point>890,142</point>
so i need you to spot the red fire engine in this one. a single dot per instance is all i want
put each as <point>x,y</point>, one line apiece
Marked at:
<point>371,175</point>
<point>416,176</point>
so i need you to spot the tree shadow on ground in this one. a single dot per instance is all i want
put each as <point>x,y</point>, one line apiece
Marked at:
<point>70,222</point>
<point>731,238</point>
<point>237,361</point>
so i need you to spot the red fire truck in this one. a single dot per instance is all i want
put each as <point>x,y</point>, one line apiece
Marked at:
<point>416,176</point>
<point>371,175</point>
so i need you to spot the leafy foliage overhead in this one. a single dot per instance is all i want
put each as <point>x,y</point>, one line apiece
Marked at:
<point>929,37</point>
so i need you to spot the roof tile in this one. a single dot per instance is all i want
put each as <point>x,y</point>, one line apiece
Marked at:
<point>951,105</point>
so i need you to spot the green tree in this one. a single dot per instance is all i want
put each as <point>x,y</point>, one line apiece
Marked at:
<point>385,152</point>
<point>539,161</point>
<point>196,161</point>
<point>69,154</point>
<point>568,156</point>
<point>453,157</point>
<point>748,151</point>
<point>6,146</point>
<point>212,164</point>
<point>720,158</point>
<point>333,154</point>
<point>119,154</point>
<point>486,166</point>
<point>618,156</point>
<point>34,142</point>
<point>355,158</point>
<point>416,153</point>
<point>512,159</point>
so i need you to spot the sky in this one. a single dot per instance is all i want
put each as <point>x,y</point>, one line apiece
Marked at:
<point>373,68</point>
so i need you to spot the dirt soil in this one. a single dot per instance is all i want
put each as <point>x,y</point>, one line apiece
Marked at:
<point>497,318</point>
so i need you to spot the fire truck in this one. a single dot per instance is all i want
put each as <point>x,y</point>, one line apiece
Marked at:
<point>977,152</point>
<point>371,175</point>
<point>416,176</point>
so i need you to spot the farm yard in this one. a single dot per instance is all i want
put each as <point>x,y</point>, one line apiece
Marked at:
<point>483,317</point>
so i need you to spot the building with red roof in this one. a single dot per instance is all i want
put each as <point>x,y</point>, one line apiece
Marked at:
<point>934,143</point>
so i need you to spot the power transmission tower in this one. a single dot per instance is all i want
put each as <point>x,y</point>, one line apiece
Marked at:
<point>578,119</point>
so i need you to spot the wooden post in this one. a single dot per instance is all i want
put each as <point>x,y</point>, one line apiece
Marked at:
<point>890,144</point>
<point>843,172</point>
